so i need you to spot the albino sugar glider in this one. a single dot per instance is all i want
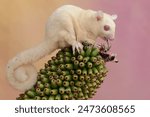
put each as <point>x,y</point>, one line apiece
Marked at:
<point>68,25</point>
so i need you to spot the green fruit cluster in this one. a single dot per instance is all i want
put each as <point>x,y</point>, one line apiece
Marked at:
<point>69,76</point>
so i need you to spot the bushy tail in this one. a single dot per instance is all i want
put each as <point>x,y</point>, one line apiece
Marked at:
<point>20,71</point>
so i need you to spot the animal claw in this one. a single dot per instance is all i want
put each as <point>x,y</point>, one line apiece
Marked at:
<point>78,46</point>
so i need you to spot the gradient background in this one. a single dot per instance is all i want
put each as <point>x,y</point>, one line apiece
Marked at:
<point>22,24</point>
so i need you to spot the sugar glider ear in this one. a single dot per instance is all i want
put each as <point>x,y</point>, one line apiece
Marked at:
<point>99,15</point>
<point>114,17</point>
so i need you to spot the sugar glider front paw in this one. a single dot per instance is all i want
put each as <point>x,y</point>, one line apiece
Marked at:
<point>77,45</point>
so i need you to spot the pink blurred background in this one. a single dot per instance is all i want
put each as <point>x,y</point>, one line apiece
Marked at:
<point>128,79</point>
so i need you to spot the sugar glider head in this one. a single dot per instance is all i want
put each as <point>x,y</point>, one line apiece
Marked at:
<point>106,27</point>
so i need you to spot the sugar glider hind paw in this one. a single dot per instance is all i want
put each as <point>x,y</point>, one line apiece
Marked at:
<point>78,46</point>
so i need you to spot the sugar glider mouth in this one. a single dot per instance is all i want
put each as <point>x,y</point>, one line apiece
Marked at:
<point>108,39</point>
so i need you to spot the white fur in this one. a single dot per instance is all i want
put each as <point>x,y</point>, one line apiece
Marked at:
<point>68,25</point>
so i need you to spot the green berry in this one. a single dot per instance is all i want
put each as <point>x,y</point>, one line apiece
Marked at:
<point>69,77</point>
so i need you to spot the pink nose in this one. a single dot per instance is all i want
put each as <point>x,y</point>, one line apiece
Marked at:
<point>111,37</point>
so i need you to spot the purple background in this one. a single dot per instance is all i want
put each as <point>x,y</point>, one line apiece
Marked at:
<point>130,78</point>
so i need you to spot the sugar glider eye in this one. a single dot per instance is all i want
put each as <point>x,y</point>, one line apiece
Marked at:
<point>106,28</point>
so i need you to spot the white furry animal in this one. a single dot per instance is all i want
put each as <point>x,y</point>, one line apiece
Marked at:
<point>68,25</point>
